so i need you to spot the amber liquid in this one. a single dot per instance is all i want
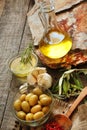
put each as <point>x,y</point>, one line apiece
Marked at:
<point>55,44</point>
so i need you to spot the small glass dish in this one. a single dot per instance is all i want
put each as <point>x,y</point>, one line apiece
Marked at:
<point>34,122</point>
<point>20,69</point>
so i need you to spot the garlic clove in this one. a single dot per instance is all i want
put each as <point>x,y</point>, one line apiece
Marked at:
<point>44,80</point>
<point>42,70</point>
<point>31,79</point>
<point>35,73</point>
<point>38,70</point>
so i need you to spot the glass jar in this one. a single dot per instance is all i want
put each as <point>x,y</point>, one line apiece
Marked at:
<point>55,42</point>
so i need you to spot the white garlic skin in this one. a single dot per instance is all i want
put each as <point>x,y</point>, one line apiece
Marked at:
<point>44,80</point>
<point>32,77</point>
<point>31,80</point>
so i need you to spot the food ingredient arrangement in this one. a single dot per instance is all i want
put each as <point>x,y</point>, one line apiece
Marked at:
<point>33,105</point>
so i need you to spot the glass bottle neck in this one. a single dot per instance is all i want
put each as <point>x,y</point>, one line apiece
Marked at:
<point>47,5</point>
<point>47,15</point>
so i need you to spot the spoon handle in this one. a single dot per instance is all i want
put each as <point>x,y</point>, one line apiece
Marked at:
<point>77,101</point>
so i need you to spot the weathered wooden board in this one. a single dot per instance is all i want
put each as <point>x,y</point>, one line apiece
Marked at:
<point>2,3</point>
<point>12,29</point>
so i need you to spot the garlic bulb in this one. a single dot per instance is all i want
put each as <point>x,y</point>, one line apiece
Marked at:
<point>44,80</point>
<point>32,77</point>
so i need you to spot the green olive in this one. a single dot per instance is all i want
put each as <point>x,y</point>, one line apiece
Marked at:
<point>28,96</point>
<point>21,115</point>
<point>25,106</point>
<point>36,108</point>
<point>29,117</point>
<point>38,115</point>
<point>37,91</point>
<point>45,109</point>
<point>22,97</point>
<point>45,101</point>
<point>17,105</point>
<point>33,100</point>
<point>42,95</point>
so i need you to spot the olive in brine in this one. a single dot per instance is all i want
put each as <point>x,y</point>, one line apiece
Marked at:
<point>22,97</point>
<point>46,100</point>
<point>21,115</point>
<point>28,96</point>
<point>17,105</point>
<point>37,91</point>
<point>33,100</point>
<point>38,115</point>
<point>25,106</point>
<point>42,95</point>
<point>29,117</point>
<point>36,108</point>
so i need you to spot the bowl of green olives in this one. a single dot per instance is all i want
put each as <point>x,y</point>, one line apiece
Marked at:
<point>33,106</point>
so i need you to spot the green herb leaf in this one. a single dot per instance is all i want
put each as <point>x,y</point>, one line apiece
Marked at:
<point>69,84</point>
<point>26,55</point>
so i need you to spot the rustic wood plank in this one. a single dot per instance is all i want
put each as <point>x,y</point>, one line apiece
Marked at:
<point>12,25</point>
<point>2,4</point>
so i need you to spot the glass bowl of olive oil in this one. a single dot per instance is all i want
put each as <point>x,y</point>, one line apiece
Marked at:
<point>21,69</point>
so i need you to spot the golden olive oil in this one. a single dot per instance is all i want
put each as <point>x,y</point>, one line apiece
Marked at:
<point>55,44</point>
<point>20,69</point>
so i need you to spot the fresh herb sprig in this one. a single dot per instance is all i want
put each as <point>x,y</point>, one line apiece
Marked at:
<point>69,84</point>
<point>27,54</point>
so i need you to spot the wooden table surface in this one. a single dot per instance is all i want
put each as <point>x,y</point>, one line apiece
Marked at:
<point>14,38</point>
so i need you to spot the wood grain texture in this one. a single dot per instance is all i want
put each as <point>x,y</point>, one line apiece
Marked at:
<point>2,4</point>
<point>13,33</point>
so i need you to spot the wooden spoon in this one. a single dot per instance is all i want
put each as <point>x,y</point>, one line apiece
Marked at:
<point>63,120</point>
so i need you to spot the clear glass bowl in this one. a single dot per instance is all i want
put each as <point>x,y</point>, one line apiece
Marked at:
<point>22,70</point>
<point>38,122</point>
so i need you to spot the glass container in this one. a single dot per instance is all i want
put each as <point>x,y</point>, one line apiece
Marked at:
<point>20,69</point>
<point>28,90</point>
<point>55,42</point>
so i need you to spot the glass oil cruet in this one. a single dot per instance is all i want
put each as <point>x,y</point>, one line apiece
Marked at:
<point>55,42</point>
